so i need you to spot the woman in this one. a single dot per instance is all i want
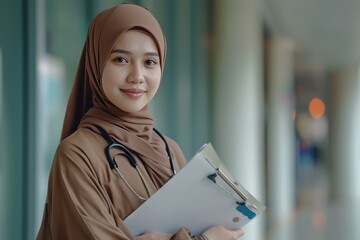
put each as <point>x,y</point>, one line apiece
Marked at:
<point>119,73</point>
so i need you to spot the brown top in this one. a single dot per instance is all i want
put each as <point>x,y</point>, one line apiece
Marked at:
<point>86,199</point>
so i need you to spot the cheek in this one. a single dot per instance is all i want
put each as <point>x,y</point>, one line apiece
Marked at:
<point>110,78</point>
<point>155,84</point>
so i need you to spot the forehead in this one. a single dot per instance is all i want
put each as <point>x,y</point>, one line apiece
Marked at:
<point>136,39</point>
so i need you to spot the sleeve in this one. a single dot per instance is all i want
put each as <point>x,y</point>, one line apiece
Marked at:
<point>78,207</point>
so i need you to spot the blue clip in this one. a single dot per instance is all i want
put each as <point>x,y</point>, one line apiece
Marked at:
<point>245,211</point>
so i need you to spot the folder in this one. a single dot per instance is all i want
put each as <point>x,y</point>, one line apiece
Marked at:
<point>202,194</point>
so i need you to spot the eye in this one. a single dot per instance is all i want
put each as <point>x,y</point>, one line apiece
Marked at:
<point>150,62</point>
<point>120,60</point>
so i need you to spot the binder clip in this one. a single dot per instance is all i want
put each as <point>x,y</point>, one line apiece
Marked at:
<point>247,210</point>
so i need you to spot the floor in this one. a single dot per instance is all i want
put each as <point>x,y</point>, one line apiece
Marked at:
<point>316,217</point>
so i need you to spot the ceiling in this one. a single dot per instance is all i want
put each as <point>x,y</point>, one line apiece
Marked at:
<point>327,30</point>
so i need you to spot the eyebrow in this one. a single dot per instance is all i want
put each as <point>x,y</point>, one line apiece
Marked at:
<point>128,52</point>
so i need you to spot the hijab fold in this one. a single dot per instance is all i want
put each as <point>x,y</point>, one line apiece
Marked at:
<point>88,105</point>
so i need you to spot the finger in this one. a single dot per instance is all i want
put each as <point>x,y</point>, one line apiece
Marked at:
<point>239,233</point>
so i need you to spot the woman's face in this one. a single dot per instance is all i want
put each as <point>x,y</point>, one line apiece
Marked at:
<point>132,73</point>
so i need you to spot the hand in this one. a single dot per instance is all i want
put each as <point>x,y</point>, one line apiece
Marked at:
<point>219,232</point>
<point>154,236</point>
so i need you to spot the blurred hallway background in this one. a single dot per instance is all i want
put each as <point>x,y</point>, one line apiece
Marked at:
<point>273,84</point>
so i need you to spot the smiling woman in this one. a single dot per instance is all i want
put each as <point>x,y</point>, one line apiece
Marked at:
<point>41,49</point>
<point>132,74</point>
<point>118,75</point>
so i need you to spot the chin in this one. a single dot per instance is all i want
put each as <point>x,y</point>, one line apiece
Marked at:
<point>132,110</point>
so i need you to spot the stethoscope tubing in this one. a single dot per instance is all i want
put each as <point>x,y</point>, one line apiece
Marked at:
<point>129,156</point>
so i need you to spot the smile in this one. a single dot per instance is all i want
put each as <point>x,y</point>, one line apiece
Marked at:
<point>133,93</point>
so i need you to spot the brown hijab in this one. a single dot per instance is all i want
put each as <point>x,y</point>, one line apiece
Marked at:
<point>88,105</point>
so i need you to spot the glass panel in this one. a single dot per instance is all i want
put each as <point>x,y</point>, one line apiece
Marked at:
<point>62,30</point>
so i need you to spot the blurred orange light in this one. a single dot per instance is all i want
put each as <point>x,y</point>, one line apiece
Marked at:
<point>316,108</point>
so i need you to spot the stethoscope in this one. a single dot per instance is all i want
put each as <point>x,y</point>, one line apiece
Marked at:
<point>126,152</point>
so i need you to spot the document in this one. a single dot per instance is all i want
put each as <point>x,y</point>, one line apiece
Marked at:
<point>201,195</point>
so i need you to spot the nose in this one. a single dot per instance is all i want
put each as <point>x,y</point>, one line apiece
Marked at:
<point>136,75</point>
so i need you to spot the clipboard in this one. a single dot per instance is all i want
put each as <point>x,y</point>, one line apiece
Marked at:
<point>201,195</point>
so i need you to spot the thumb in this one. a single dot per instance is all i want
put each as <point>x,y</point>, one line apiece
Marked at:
<point>239,233</point>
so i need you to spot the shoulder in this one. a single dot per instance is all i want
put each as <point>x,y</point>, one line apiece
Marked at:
<point>81,147</point>
<point>172,143</point>
<point>82,137</point>
<point>81,140</point>
<point>176,151</point>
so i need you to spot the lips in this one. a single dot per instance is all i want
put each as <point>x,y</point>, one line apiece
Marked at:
<point>133,92</point>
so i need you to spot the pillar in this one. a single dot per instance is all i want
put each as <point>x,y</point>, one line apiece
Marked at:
<point>281,131</point>
<point>344,135</point>
<point>238,97</point>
